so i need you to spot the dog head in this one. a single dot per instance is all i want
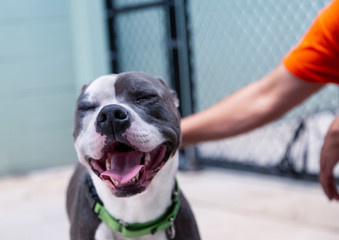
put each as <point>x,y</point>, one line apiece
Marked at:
<point>126,128</point>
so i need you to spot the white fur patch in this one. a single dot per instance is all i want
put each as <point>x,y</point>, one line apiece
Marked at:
<point>89,142</point>
<point>102,87</point>
<point>103,232</point>
<point>143,136</point>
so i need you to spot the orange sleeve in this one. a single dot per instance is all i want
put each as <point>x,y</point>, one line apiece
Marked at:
<point>316,57</point>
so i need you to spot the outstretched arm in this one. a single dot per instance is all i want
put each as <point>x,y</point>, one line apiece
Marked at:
<point>329,157</point>
<point>253,106</point>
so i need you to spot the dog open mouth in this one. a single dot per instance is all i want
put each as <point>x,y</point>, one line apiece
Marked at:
<point>124,168</point>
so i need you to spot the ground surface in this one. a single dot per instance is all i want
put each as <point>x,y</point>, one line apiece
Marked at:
<point>227,204</point>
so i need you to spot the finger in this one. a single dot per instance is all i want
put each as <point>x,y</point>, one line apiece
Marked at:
<point>332,188</point>
<point>328,192</point>
<point>326,185</point>
<point>335,191</point>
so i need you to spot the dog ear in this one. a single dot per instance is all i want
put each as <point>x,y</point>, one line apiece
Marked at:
<point>173,93</point>
<point>175,98</point>
<point>84,88</point>
<point>76,116</point>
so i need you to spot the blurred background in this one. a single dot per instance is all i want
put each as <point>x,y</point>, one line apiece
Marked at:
<point>205,50</point>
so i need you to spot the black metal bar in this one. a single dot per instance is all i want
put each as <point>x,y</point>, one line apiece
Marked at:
<point>286,164</point>
<point>136,7</point>
<point>189,50</point>
<point>180,66</point>
<point>270,170</point>
<point>112,36</point>
<point>173,50</point>
<point>180,59</point>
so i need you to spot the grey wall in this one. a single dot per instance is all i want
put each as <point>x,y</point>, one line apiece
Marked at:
<point>37,87</point>
<point>48,49</point>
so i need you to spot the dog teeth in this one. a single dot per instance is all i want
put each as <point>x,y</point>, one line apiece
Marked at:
<point>114,181</point>
<point>136,178</point>
<point>108,164</point>
<point>147,158</point>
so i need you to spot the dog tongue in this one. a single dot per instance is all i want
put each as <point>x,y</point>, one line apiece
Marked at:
<point>124,166</point>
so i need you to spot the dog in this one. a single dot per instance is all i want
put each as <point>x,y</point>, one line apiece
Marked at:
<point>127,135</point>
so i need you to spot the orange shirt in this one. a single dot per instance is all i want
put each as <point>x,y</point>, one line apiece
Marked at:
<point>316,57</point>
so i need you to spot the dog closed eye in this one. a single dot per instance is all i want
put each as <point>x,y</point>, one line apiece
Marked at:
<point>86,106</point>
<point>146,98</point>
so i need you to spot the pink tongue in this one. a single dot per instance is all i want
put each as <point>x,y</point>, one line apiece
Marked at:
<point>124,166</point>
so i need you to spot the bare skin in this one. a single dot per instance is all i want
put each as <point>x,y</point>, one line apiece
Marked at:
<point>329,157</point>
<point>257,104</point>
<point>252,106</point>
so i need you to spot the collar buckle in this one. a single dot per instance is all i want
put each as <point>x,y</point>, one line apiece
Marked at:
<point>170,232</point>
<point>122,225</point>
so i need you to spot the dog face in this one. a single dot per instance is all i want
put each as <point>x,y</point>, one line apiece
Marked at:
<point>126,127</point>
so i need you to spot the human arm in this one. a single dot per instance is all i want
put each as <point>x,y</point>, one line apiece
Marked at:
<point>252,106</point>
<point>329,157</point>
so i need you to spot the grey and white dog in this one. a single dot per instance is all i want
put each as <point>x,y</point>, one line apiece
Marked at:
<point>127,133</point>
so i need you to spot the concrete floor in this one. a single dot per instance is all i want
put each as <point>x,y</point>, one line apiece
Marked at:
<point>227,204</point>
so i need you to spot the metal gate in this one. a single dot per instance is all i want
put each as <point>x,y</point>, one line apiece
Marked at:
<point>209,49</point>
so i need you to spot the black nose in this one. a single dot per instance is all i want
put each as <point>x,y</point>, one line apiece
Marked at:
<point>113,120</point>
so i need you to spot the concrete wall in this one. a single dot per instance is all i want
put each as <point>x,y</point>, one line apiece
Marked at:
<point>48,49</point>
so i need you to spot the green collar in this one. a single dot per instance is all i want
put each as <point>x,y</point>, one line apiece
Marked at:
<point>134,230</point>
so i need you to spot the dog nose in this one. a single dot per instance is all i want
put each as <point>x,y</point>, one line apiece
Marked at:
<point>112,120</point>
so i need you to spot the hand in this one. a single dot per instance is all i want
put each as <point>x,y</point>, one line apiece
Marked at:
<point>329,157</point>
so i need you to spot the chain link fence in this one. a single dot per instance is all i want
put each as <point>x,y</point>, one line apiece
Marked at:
<point>237,42</point>
<point>145,49</point>
<point>229,44</point>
